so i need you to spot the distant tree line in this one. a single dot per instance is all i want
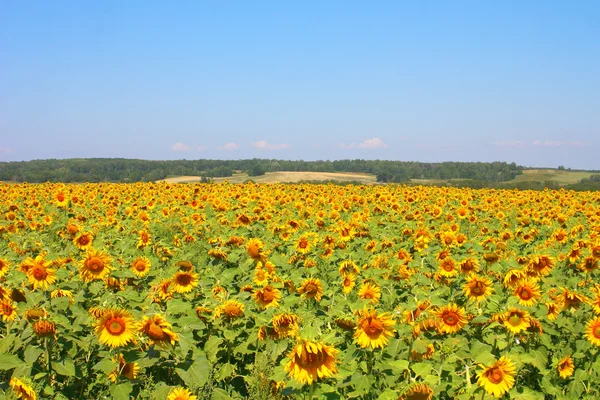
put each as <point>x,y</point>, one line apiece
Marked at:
<point>132,170</point>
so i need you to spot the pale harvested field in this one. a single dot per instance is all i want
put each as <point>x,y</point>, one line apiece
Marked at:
<point>563,177</point>
<point>285,176</point>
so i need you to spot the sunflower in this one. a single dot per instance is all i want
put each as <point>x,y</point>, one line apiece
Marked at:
<point>184,282</point>
<point>348,267</point>
<point>553,310</point>
<point>179,393</point>
<point>419,391</point>
<point>163,290</point>
<point>286,325</point>
<point>305,243</point>
<point>311,288</point>
<point>498,378</point>
<point>230,310</point>
<point>44,328</point>
<point>267,297</point>
<point>116,328</point>
<point>55,294</point>
<point>513,277</point>
<point>416,356</point>
<point>572,300</point>
<point>144,239</point>
<point>311,361</point>
<point>254,248</point>
<point>592,331</point>
<point>369,291</point>
<point>448,268</point>
<point>33,314</point>
<point>30,263</point>
<point>348,283</point>
<point>83,241</point>
<point>96,266</point>
<point>261,277</point>
<point>528,292</point>
<point>450,318</point>
<point>541,265</point>
<point>158,331</point>
<point>373,330</point>
<point>140,267</point>
<point>516,320</point>
<point>4,266</point>
<point>477,287</point>
<point>41,276</point>
<point>22,390</point>
<point>565,367</point>
<point>124,369</point>
<point>8,310</point>
<point>469,265</point>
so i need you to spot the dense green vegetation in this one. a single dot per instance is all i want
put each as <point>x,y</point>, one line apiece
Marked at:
<point>126,170</point>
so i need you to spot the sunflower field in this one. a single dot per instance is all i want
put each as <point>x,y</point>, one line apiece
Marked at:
<point>219,291</point>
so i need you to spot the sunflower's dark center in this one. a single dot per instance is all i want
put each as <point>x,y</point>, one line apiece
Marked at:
<point>311,360</point>
<point>451,318</point>
<point>115,326</point>
<point>40,273</point>
<point>95,264</point>
<point>155,332</point>
<point>372,326</point>
<point>84,240</point>
<point>303,244</point>
<point>478,288</point>
<point>496,376</point>
<point>184,280</point>
<point>596,332</point>
<point>514,319</point>
<point>525,293</point>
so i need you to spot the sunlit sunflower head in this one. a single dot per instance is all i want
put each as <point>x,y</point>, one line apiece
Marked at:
<point>541,265</point>
<point>8,310</point>
<point>572,300</point>
<point>592,331</point>
<point>477,287</point>
<point>162,290</point>
<point>55,294</point>
<point>447,268</point>
<point>22,390</point>
<point>184,265</point>
<point>180,393</point>
<point>261,276</point>
<point>565,367</point>
<point>254,248</point>
<point>218,292</point>
<point>311,288</point>
<point>144,239</point>
<point>116,328</point>
<point>184,282</point>
<point>348,283</point>
<point>373,330</point>
<point>40,275</point>
<point>450,318</point>
<point>96,266</point>
<point>513,277</point>
<point>528,292</point>
<point>140,266</point>
<point>516,320</point>
<point>230,310</point>
<point>370,291</point>
<point>498,378</point>
<point>286,325</point>
<point>34,314</point>
<point>83,241</point>
<point>267,297</point>
<point>158,331</point>
<point>419,391</point>
<point>310,361</point>
<point>4,267</point>
<point>469,265</point>
<point>124,369</point>
<point>348,267</point>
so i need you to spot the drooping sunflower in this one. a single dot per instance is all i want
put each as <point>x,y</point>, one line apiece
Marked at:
<point>22,390</point>
<point>124,369</point>
<point>498,378</point>
<point>40,275</point>
<point>541,265</point>
<point>369,291</point>
<point>348,267</point>
<point>513,277</point>
<point>373,330</point>
<point>553,310</point>
<point>516,320</point>
<point>311,361</point>
<point>478,287</point>
<point>162,290</point>
<point>528,292</point>
<point>4,267</point>
<point>184,282</point>
<point>58,293</point>
<point>158,331</point>
<point>44,328</point>
<point>33,314</point>
<point>254,248</point>
<point>8,310</point>
<point>469,265</point>
<point>267,297</point>
<point>180,393</point>
<point>311,288</point>
<point>230,310</point>
<point>83,241</point>
<point>419,391</point>
<point>286,325</point>
<point>450,318</point>
<point>572,300</point>
<point>592,331</point>
<point>96,266</point>
<point>565,367</point>
<point>140,266</point>
<point>116,328</point>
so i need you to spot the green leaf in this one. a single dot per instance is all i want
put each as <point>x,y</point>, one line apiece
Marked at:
<point>421,369</point>
<point>226,371</point>
<point>399,365</point>
<point>220,394</point>
<point>106,366</point>
<point>66,368</point>
<point>362,385</point>
<point>211,347</point>
<point>196,374</point>
<point>121,392</point>
<point>9,361</point>
<point>32,353</point>
<point>482,353</point>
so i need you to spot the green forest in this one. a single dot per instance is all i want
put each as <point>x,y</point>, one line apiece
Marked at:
<point>131,170</point>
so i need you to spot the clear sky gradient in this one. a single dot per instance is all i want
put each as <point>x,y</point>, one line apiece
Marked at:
<point>422,81</point>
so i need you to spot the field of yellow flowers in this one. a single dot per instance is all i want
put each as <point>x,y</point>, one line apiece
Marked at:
<point>217,291</point>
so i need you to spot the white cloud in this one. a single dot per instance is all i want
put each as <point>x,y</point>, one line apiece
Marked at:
<point>514,144</point>
<point>230,146</point>
<point>6,150</point>
<point>373,143</point>
<point>180,147</point>
<point>264,145</point>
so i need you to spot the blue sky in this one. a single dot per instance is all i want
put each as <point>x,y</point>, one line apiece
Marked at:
<point>423,81</point>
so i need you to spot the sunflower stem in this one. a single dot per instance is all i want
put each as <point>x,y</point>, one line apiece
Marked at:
<point>311,392</point>
<point>47,347</point>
